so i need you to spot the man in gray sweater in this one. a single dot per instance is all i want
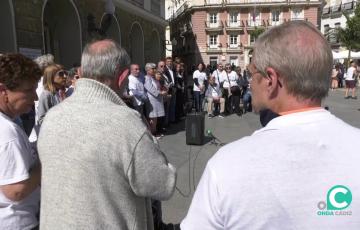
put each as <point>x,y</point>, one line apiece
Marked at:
<point>100,164</point>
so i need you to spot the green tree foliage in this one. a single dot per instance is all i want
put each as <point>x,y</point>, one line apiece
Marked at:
<point>256,32</point>
<point>350,35</point>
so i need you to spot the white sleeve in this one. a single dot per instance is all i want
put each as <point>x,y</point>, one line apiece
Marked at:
<point>132,84</point>
<point>204,209</point>
<point>14,166</point>
<point>223,77</point>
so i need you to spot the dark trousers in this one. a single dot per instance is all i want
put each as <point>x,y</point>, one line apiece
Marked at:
<point>198,101</point>
<point>157,217</point>
<point>235,103</point>
<point>179,104</point>
<point>228,109</point>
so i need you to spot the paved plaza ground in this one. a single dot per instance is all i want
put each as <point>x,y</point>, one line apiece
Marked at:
<point>190,161</point>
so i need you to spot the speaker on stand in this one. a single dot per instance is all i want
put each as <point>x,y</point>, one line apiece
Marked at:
<point>194,126</point>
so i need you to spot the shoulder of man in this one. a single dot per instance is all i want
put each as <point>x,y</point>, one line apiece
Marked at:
<point>9,130</point>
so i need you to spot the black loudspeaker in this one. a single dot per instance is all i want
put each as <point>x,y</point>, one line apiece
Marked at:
<point>195,124</point>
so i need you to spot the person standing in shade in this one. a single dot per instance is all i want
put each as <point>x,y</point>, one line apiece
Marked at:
<point>155,105</point>
<point>136,88</point>
<point>170,73</point>
<point>232,90</point>
<point>213,96</point>
<point>107,178</point>
<point>54,89</point>
<point>199,77</point>
<point>280,176</point>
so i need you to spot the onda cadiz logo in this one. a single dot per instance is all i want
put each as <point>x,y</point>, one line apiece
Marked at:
<point>338,198</point>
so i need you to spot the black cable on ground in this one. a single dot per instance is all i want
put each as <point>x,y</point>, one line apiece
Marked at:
<point>194,164</point>
<point>189,192</point>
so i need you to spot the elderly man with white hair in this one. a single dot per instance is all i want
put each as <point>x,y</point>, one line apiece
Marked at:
<point>108,176</point>
<point>291,174</point>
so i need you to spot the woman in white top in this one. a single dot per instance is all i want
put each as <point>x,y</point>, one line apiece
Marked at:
<point>20,171</point>
<point>199,77</point>
<point>232,90</point>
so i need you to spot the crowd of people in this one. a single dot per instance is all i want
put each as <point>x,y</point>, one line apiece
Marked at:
<point>89,143</point>
<point>351,77</point>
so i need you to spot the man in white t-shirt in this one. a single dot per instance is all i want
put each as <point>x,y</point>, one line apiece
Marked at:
<point>20,170</point>
<point>350,81</point>
<point>218,74</point>
<point>291,174</point>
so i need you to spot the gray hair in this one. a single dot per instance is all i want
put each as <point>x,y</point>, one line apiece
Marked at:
<point>150,66</point>
<point>44,61</point>
<point>300,54</point>
<point>103,60</point>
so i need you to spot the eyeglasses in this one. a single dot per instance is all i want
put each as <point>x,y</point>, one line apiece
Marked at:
<point>62,73</point>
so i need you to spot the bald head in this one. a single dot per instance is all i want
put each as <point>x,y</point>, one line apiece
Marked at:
<point>103,60</point>
<point>135,70</point>
<point>300,54</point>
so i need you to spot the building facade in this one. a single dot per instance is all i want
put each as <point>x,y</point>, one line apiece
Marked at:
<point>64,27</point>
<point>214,31</point>
<point>332,17</point>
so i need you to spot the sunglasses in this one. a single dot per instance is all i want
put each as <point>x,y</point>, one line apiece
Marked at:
<point>62,73</point>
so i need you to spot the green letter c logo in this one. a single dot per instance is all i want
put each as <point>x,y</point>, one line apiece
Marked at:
<point>339,197</point>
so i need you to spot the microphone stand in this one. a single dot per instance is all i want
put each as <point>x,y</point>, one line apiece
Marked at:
<point>214,140</point>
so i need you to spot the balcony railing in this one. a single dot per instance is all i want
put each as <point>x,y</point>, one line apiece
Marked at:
<point>213,26</point>
<point>181,9</point>
<point>255,23</point>
<point>348,6</point>
<point>139,3</point>
<point>336,10</point>
<point>213,2</point>
<point>254,2</point>
<point>215,48</point>
<point>235,48</point>
<point>326,10</point>
<point>234,26</point>
<point>298,19</point>
<point>274,23</point>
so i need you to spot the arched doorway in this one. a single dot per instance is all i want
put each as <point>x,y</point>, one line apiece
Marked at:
<point>62,31</point>
<point>137,44</point>
<point>155,50</point>
<point>111,27</point>
<point>7,27</point>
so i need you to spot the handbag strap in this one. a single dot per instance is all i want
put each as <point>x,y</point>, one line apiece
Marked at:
<point>217,73</point>
<point>228,79</point>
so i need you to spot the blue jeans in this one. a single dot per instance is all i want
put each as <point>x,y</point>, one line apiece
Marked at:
<point>198,101</point>
<point>247,100</point>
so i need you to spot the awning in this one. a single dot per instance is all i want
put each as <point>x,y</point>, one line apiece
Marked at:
<point>344,54</point>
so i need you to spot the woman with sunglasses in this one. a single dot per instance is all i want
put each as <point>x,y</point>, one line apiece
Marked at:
<point>54,89</point>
